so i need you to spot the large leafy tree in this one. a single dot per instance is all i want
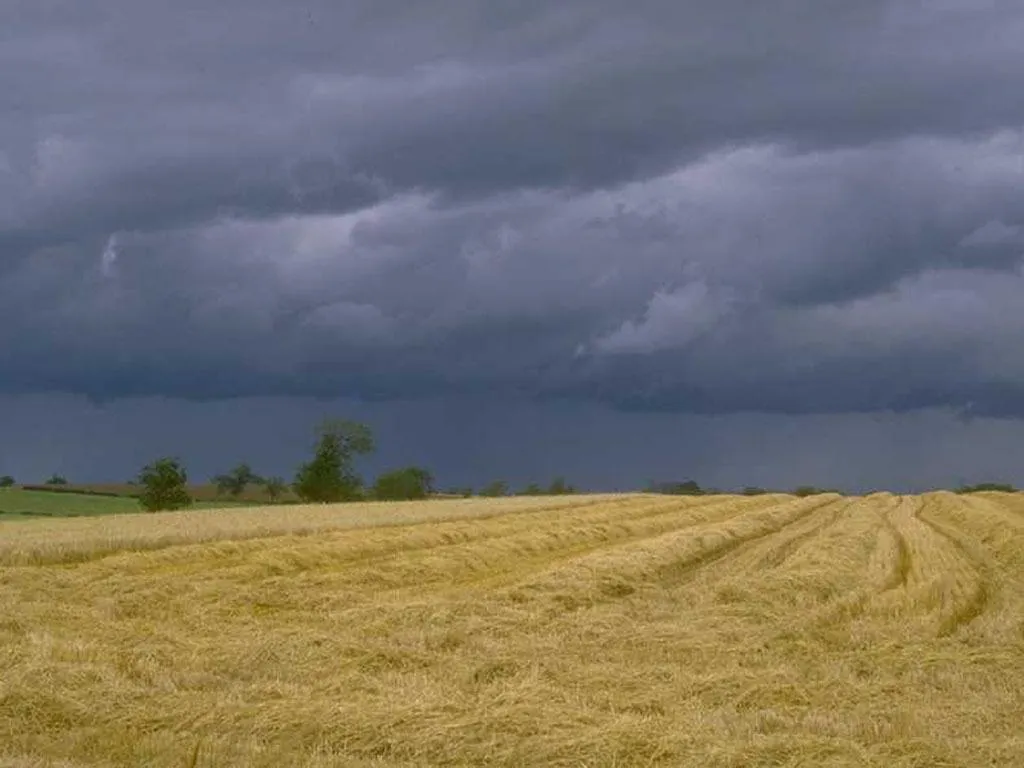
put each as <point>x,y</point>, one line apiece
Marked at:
<point>164,485</point>
<point>330,475</point>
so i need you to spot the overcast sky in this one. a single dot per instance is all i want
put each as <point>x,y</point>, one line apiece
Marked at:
<point>768,243</point>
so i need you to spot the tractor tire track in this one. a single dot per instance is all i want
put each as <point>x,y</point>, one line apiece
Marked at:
<point>976,595</point>
<point>779,553</point>
<point>178,536</point>
<point>667,561</point>
<point>737,547</point>
<point>885,566</point>
<point>497,567</point>
<point>480,561</point>
<point>351,548</point>
<point>1009,509</point>
<point>902,563</point>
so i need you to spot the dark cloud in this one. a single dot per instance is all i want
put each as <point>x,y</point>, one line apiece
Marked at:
<point>792,208</point>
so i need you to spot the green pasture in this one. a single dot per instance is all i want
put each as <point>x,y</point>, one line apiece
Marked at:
<point>18,504</point>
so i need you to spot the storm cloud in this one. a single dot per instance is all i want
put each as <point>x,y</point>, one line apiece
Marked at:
<point>704,209</point>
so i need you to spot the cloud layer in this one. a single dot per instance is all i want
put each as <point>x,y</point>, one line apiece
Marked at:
<point>714,211</point>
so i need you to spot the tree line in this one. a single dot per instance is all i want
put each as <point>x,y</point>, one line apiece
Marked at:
<point>692,488</point>
<point>328,477</point>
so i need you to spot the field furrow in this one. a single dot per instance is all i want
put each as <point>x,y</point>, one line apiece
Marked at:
<point>500,552</point>
<point>830,571</point>
<point>994,541</point>
<point>665,561</point>
<point>605,631</point>
<point>893,550</point>
<point>790,540</point>
<point>69,541</point>
<point>973,584</point>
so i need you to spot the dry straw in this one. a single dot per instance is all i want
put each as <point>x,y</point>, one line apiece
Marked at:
<point>592,631</point>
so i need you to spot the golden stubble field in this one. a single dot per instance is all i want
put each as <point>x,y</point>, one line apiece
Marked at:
<point>630,630</point>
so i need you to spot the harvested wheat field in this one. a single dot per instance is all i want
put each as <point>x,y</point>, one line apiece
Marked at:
<point>581,631</point>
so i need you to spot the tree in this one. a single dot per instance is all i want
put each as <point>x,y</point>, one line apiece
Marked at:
<point>56,480</point>
<point>165,485</point>
<point>330,476</point>
<point>532,490</point>
<point>688,488</point>
<point>559,487</point>
<point>235,481</point>
<point>495,488</point>
<point>275,487</point>
<point>804,491</point>
<point>6,481</point>
<point>982,487</point>
<point>405,483</point>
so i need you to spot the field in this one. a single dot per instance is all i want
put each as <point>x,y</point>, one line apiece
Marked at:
<point>202,492</point>
<point>18,503</point>
<point>630,630</point>
<point>23,504</point>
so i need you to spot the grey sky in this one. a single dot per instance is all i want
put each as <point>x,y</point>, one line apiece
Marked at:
<point>725,210</point>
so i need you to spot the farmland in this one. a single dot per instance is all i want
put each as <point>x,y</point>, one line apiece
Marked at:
<point>18,503</point>
<point>84,501</point>
<point>202,493</point>
<point>614,630</point>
